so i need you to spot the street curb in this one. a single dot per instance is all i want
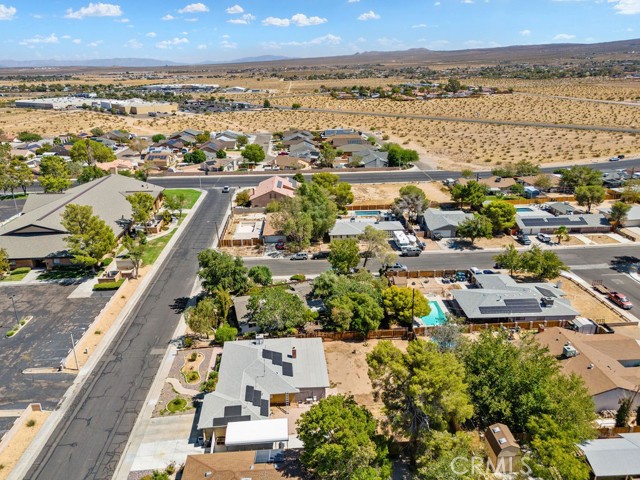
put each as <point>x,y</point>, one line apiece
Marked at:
<point>33,450</point>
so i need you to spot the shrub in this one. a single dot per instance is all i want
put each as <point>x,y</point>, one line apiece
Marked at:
<point>108,285</point>
<point>193,357</point>
<point>171,469</point>
<point>299,277</point>
<point>226,333</point>
<point>20,271</point>
<point>210,384</point>
<point>177,405</point>
<point>98,332</point>
<point>31,423</point>
<point>187,342</point>
<point>23,322</point>
<point>107,261</point>
<point>192,376</point>
<point>10,333</point>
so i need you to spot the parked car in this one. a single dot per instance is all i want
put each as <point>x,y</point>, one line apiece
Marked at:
<point>543,237</point>
<point>410,252</point>
<point>436,236</point>
<point>280,245</point>
<point>524,239</point>
<point>226,189</point>
<point>614,159</point>
<point>421,245</point>
<point>396,267</point>
<point>488,272</point>
<point>300,256</point>
<point>320,255</point>
<point>621,300</point>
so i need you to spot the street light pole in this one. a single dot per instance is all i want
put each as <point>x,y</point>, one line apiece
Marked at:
<point>15,311</point>
<point>73,347</point>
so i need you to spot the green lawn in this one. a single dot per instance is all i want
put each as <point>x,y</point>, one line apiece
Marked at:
<point>192,195</point>
<point>15,277</point>
<point>154,247</point>
<point>17,196</point>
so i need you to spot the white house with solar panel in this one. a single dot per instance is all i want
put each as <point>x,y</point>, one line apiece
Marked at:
<point>255,375</point>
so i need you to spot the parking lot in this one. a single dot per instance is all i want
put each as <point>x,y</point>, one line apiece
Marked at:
<point>8,208</point>
<point>41,343</point>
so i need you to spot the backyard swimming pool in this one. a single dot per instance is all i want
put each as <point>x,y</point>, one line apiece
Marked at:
<point>523,209</point>
<point>367,213</point>
<point>435,317</point>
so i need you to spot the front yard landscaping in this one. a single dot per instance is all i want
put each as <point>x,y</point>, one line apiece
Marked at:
<point>17,274</point>
<point>190,194</point>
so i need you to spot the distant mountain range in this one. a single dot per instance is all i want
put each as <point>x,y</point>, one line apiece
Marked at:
<point>547,53</point>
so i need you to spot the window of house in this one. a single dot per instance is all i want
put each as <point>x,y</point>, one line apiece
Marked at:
<point>220,440</point>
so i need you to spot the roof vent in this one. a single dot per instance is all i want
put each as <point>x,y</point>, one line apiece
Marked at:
<point>590,367</point>
<point>260,339</point>
<point>568,351</point>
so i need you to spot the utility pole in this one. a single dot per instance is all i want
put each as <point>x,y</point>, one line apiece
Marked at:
<point>73,347</point>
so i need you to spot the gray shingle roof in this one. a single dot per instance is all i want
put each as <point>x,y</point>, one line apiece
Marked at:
<point>614,457</point>
<point>569,221</point>
<point>435,219</point>
<point>342,228</point>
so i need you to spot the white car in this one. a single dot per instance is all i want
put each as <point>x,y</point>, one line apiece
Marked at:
<point>226,189</point>
<point>543,237</point>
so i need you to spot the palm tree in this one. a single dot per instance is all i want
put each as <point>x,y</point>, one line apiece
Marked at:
<point>561,234</point>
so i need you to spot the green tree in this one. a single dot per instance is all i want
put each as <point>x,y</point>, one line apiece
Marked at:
<point>541,263</point>
<point>266,103</point>
<point>422,390</point>
<point>326,180</point>
<point>296,106</point>
<point>223,302</point>
<point>225,333</point>
<point>618,216</point>
<point>141,206</point>
<point>509,258</point>
<point>242,140</point>
<point>410,201</point>
<point>525,168</point>
<point>54,175</point>
<point>631,191</point>
<point>91,152</point>
<point>453,85</point>
<point>321,209</point>
<point>341,441</point>
<point>354,311</point>
<point>204,317</point>
<point>203,137</point>
<point>194,157</point>
<point>501,214</point>
<point>448,335</point>
<point>344,255</point>
<point>328,155</point>
<point>29,137</point>
<point>176,202</point>
<point>276,311</point>
<point>90,173</point>
<point>561,233</point>
<point>295,223</point>
<point>466,173</point>
<point>253,153</point>
<point>473,193</point>
<point>219,269</point>
<point>97,132</point>
<point>401,304</point>
<point>517,189</point>
<point>589,195</point>
<point>342,196</point>
<point>243,198</point>
<point>138,145</point>
<point>441,451</point>
<point>623,414</point>
<point>543,182</point>
<point>298,177</point>
<point>158,137</point>
<point>260,274</point>
<point>136,248</point>
<point>5,265</point>
<point>376,243</point>
<point>577,176</point>
<point>221,154</point>
<point>90,238</point>
<point>398,156</point>
<point>477,227</point>
<point>328,285</point>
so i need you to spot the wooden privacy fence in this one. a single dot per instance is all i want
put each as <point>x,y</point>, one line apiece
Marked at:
<point>369,206</point>
<point>239,242</point>
<point>351,336</point>
<point>478,327</point>
<point>424,273</point>
<point>606,432</point>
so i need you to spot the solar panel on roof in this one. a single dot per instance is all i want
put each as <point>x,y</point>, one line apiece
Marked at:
<point>232,410</point>
<point>219,422</point>
<point>520,302</point>
<point>248,396</point>
<point>287,369</point>
<point>279,184</point>
<point>510,310</point>
<point>264,408</point>
<point>276,358</point>
<point>267,353</point>
<point>257,395</point>
<point>269,456</point>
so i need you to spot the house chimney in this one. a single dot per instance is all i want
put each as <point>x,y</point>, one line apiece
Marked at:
<point>294,354</point>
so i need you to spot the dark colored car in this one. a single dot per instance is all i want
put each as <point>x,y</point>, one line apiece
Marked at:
<point>320,255</point>
<point>436,236</point>
<point>280,245</point>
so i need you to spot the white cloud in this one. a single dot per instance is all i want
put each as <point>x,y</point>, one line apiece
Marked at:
<point>370,15</point>
<point>244,19</point>
<point>329,39</point>
<point>192,19</point>
<point>353,1</point>
<point>436,4</point>
<point>626,7</point>
<point>7,13</point>
<point>95,44</point>
<point>228,45</point>
<point>168,17</point>
<point>301,20</point>
<point>133,43</point>
<point>194,8</point>
<point>419,25</point>
<point>77,41</point>
<point>65,37</point>
<point>525,33</point>
<point>123,20</point>
<point>95,10</point>
<point>38,39</point>
<point>481,44</point>
<point>389,42</point>
<point>202,46</point>
<point>467,1</point>
<point>564,36</point>
<point>234,10</point>
<point>172,43</point>
<point>151,34</point>
<point>276,22</point>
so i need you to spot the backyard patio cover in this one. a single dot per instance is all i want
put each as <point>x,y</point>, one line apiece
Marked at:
<point>257,431</point>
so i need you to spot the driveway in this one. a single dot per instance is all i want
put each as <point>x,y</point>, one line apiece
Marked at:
<point>43,342</point>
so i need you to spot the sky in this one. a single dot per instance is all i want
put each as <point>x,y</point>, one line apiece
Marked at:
<point>215,30</point>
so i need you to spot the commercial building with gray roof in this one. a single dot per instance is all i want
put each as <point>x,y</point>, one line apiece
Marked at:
<point>36,237</point>
<point>499,298</point>
<point>257,374</point>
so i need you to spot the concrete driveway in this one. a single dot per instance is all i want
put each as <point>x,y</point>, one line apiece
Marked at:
<point>43,342</point>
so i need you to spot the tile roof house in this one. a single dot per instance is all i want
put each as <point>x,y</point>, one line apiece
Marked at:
<point>36,238</point>
<point>502,449</point>
<point>499,298</point>
<point>609,364</point>
<point>530,180</point>
<point>304,150</point>
<point>241,465</point>
<point>273,188</point>
<point>256,374</point>
<point>613,458</point>
<point>288,162</point>
<point>442,222</point>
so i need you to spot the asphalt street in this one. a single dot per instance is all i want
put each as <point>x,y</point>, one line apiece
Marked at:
<point>600,256</point>
<point>615,280</point>
<point>88,442</point>
<point>41,343</point>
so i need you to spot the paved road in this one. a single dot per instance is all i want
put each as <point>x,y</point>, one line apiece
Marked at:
<point>9,208</point>
<point>615,280</point>
<point>454,260</point>
<point>92,435</point>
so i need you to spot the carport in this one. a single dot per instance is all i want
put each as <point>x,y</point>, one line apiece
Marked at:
<point>258,434</point>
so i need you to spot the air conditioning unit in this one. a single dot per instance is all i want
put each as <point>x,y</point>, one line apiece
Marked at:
<point>569,351</point>
<point>547,301</point>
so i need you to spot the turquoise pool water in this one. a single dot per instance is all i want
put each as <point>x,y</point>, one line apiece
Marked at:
<point>524,209</point>
<point>367,213</point>
<point>435,317</point>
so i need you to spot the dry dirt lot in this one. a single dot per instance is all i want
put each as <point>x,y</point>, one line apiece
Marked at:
<point>347,365</point>
<point>10,456</point>
<point>587,304</point>
<point>388,192</point>
<point>602,239</point>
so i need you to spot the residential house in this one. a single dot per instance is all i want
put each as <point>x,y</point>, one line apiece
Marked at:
<point>288,162</point>
<point>499,298</point>
<point>304,150</point>
<point>337,131</point>
<point>107,142</point>
<point>242,465</point>
<point>561,208</point>
<point>352,228</point>
<point>494,184</point>
<point>118,136</point>
<point>295,137</point>
<point>613,458</point>
<point>185,137</point>
<point>36,238</point>
<point>273,188</point>
<point>614,179</point>
<point>530,180</point>
<point>339,141</point>
<point>271,234</point>
<point>216,145</point>
<point>442,223</point>
<point>632,219</point>
<point>255,375</point>
<point>584,223</point>
<point>370,159</point>
<point>162,159</point>
<point>502,449</point>
<point>355,148</point>
<point>609,364</point>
